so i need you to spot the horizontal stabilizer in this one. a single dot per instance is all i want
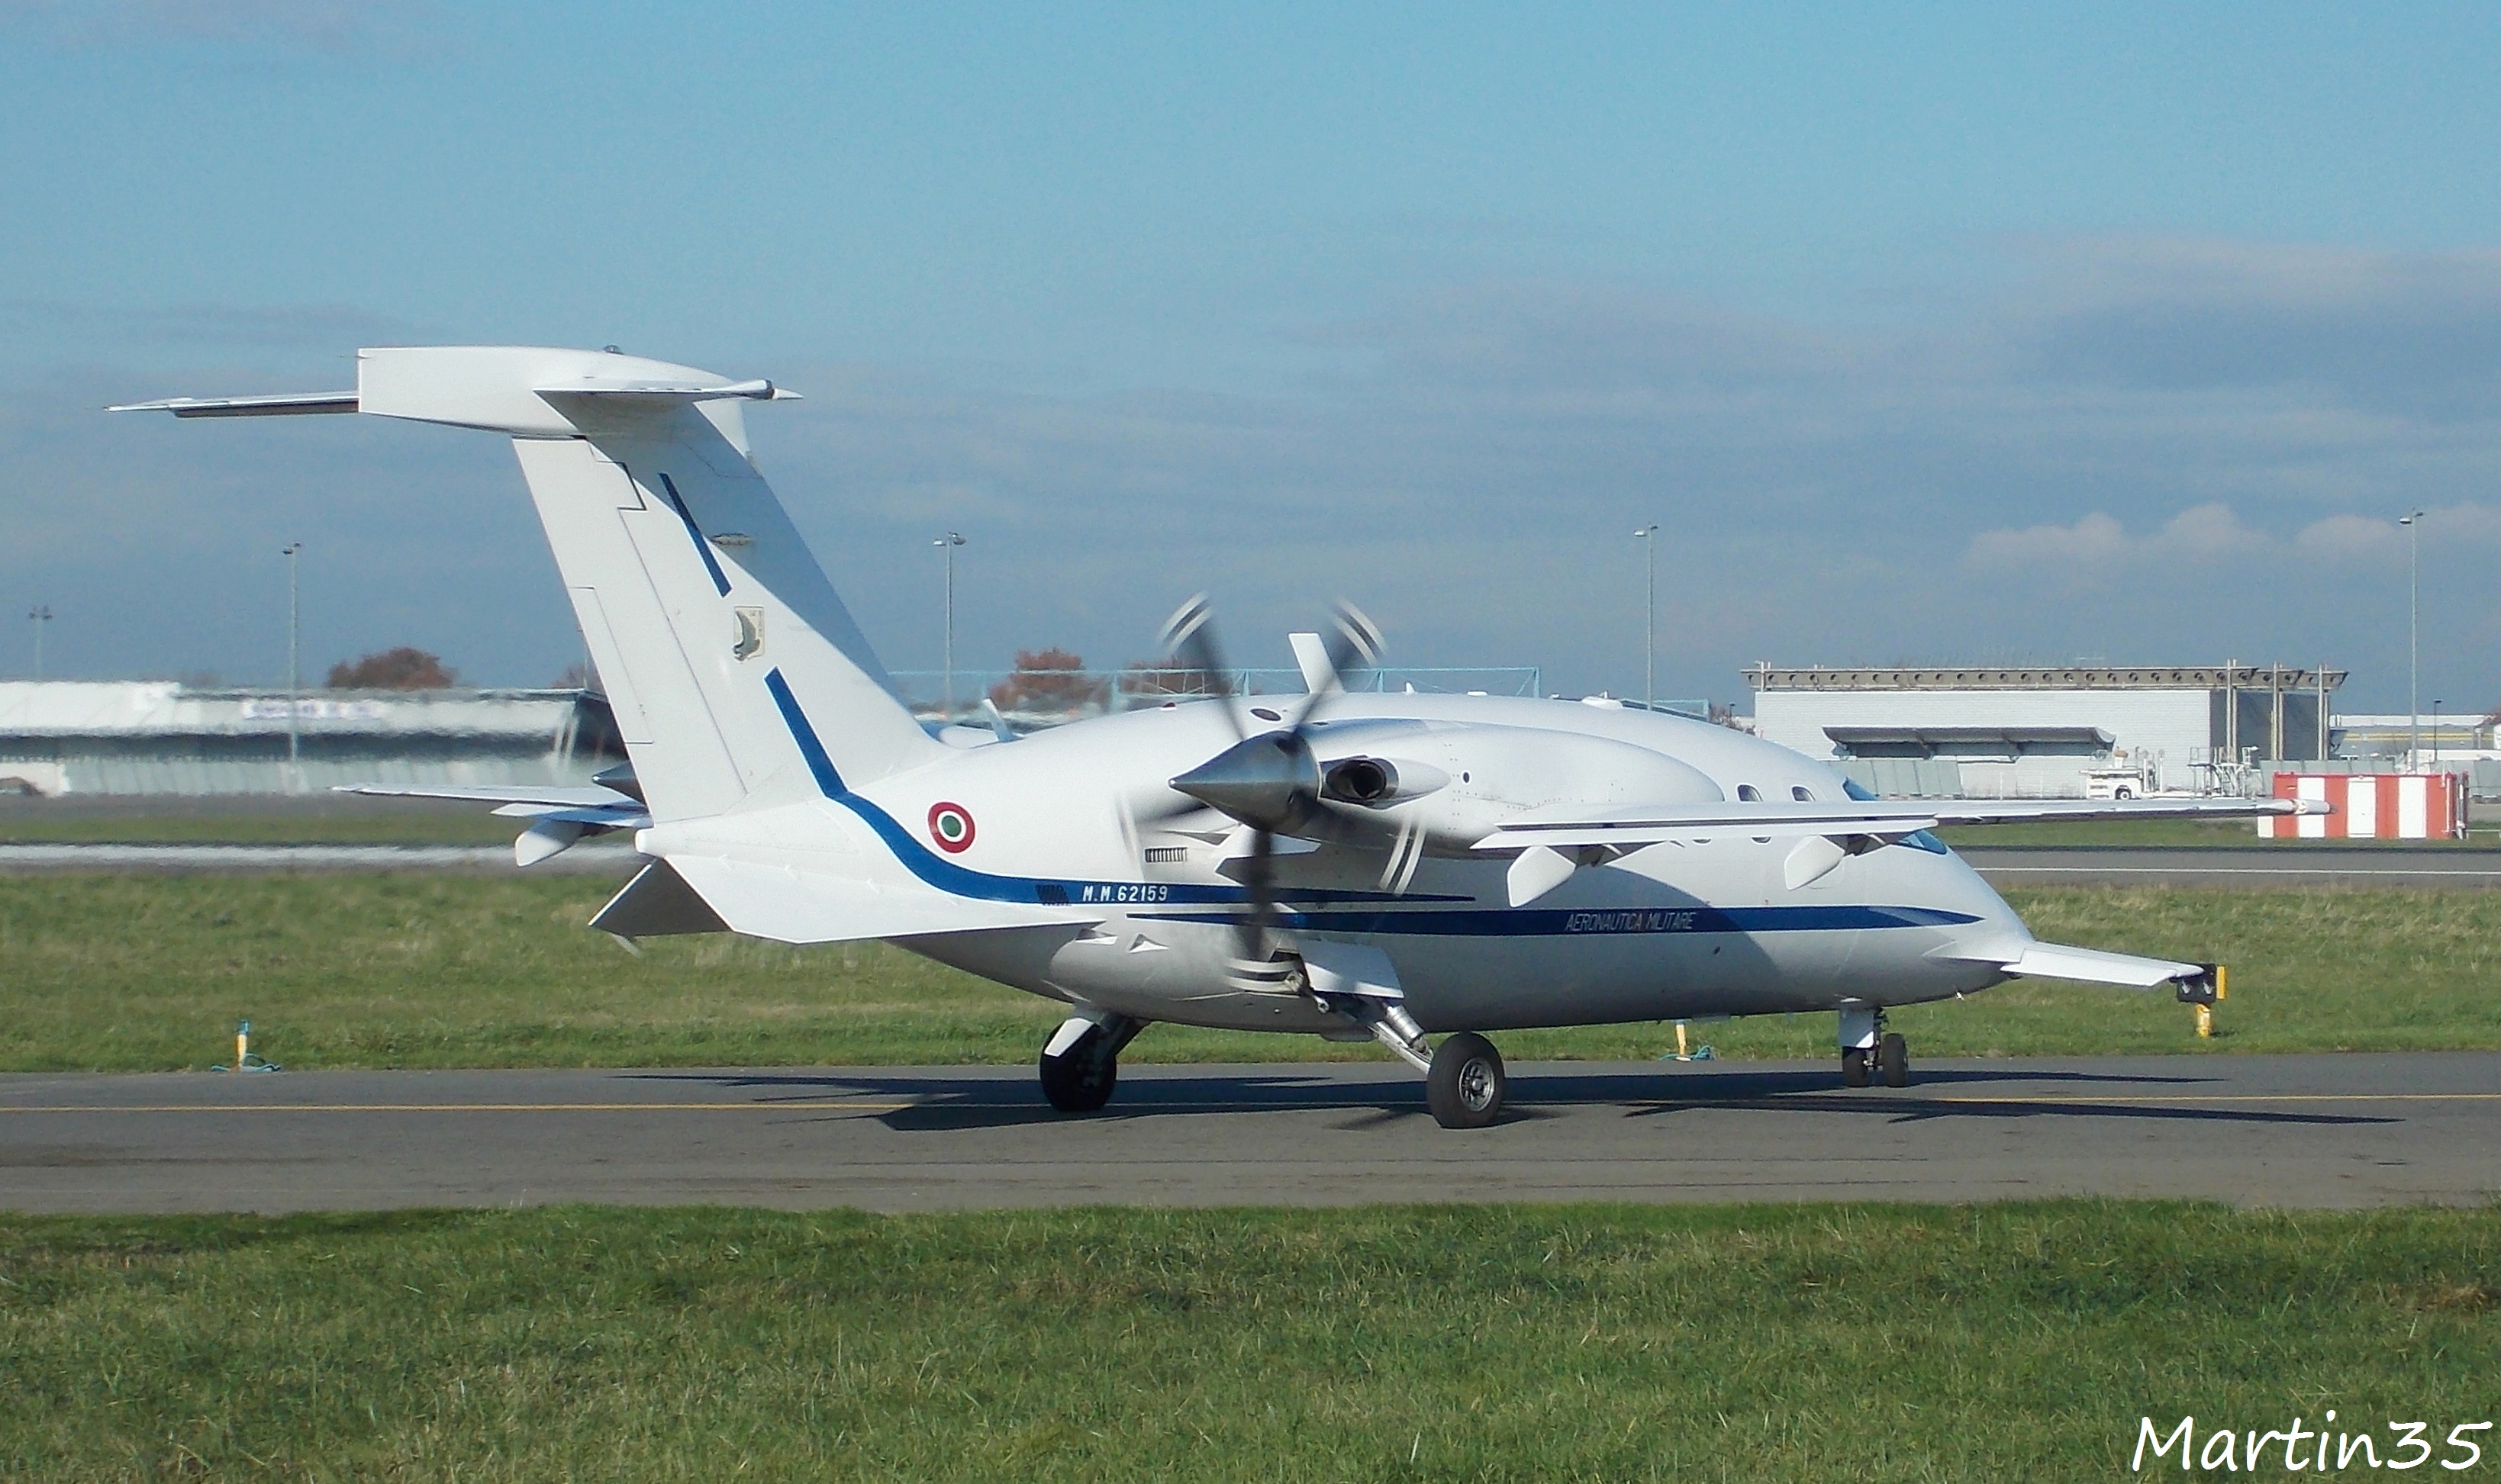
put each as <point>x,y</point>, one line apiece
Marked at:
<point>572,796</point>
<point>282,404</point>
<point>674,391</point>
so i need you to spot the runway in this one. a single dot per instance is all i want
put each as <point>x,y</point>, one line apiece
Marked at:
<point>2299,1131</point>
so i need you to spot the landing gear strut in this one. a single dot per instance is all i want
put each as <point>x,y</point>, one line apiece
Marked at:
<point>1869,1052</point>
<point>1081,1064</point>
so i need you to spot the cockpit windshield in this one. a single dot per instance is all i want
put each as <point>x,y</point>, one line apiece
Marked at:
<point>1923,841</point>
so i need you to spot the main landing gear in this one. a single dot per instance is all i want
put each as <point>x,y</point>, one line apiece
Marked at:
<point>1869,1051</point>
<point>1463,1076</point>
<point>1464,1082</point>
<point>1081,1064</point>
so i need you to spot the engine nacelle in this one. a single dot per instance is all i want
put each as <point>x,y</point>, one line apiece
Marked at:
<point>1458,784</point>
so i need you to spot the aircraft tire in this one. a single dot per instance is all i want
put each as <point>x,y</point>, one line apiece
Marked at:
<point>1078,1083</point>
<point>1894,1061</point>
<point>1466,1087</point>
<point>1853,1067</point>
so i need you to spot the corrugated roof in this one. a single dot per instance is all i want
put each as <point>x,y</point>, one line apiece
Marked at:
<point>142,708</point>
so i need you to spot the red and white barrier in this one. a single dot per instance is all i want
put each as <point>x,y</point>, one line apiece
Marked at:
<point>2370,806</point>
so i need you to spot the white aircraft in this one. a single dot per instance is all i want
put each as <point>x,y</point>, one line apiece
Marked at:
<point>1349,865</point>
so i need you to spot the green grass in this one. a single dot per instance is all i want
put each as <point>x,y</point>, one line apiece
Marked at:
<point>145,973</point>
<point>472,825</point>
<point>1509,1342</point>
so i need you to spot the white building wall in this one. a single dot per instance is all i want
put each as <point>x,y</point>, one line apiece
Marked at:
<point>2173,727</point>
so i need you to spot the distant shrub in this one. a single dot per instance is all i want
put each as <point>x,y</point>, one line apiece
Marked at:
<point>405,668</point>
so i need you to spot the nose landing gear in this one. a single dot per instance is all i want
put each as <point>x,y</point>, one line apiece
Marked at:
<point>1869,1052</point>
<point>1081,1064</point>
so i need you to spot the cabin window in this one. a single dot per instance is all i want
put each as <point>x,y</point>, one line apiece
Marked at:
<point>1801,793</point>
<point>1749,793</point>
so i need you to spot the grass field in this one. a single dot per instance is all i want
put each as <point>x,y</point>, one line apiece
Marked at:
<point>139,972</point>
<point>414,824</point>
<point>1513,1342</point>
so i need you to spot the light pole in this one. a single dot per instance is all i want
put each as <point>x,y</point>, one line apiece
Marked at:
<point>295,673</point>
<point>40,614</point>
<point>948,543</point>
<point>2435,734</point>
<point>1647,536</point>
<point>2414,629</point>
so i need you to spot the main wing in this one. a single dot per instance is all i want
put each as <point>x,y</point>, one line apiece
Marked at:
<point>1643,825</point>
<point>562,816</point>
<point>1827,833</point>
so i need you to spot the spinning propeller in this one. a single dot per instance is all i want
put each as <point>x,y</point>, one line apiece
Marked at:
<point>1269,781</point>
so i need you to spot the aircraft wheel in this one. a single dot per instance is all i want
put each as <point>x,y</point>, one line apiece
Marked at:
<point>1466,1087</point>
<point>1080,1080</point>
<point>1853,1067</point>
<point>1076,1083</point>
<point>1894,1061</point>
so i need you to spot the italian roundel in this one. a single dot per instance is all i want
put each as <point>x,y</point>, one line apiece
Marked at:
<point>952,827</point>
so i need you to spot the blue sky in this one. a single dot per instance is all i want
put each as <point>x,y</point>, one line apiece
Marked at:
<point>1935,332</point>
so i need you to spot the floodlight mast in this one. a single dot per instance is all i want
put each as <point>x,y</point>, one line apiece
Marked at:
<point>2413,630</point>
<point>1647,536</point>
<point>40,614</point>
<point>948,543</point>
<point>294,674</point>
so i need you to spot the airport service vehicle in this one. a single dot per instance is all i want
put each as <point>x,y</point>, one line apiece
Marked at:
<point>1352,866</point>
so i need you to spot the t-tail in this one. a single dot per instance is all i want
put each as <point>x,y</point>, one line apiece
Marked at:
<point>709,620</point>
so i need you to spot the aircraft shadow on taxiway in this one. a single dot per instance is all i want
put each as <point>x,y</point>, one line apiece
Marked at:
<point>955,1102</point>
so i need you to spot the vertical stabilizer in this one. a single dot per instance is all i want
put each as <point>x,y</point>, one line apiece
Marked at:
<point>690,583</point>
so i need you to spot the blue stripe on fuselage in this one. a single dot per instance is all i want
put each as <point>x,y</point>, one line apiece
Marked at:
<point>1560,922</point>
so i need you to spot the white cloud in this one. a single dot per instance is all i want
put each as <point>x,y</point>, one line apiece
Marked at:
<point>2202,532</point>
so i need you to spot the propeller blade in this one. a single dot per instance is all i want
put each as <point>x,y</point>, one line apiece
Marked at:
<point>1269,781</point>
<point>1260,876</point>
<point>1188,636</point>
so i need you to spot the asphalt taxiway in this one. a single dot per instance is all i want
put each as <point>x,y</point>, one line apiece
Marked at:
<point>2301,1131</point>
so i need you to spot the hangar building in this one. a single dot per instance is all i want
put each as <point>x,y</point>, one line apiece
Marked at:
<point>159,736</point>
<point>2047,731</point>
